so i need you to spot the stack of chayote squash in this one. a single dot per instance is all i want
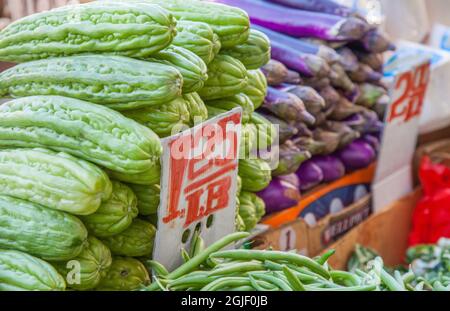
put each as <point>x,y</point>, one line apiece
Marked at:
<point>95,88</point>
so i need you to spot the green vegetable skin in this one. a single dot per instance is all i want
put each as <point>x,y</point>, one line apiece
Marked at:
<point>147,198</point>
<point>251,209</point>
<point>56,180</point>
<point>126,28</point>
<point>115,215</point>
<point>166,119</point>
<point>197,108</point>
<point>238,100</point>
<point>46,233</point>
<point>91,132</point>
<point>192,67</point>
<point>94,262</point>
<point>198,38</point>
<point>136,240</point>
<point>226,77</point>
<point>256,88</point>
<point>125,274</point>
<point>254,53</point>
<point>115,81</point>
<point>266,132</point>
<point>231,24</point>
<point>255,174</point>
<point>22,272</point>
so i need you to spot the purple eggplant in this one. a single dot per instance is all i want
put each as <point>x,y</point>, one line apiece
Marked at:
<point>375,41</point>
<point>285,130</point>
<point>279,195</point>
<point>331,166</point>
<point>373,141</point>
<point>302,128</point>
<point>355,121</point>
<point>347,134</point>
<point>344,109</point>
<point>299,23</point>
<point>369,94</point>
<point>316,83</point>
<point>322,6</point>
<point>314,147</point>
<point>291,178</point>
<point>340,79</point>
<point>287,106</point>
<point>349,60</point>
<point>290,158</point>
<point>373,60</point>
<point>357,155</point>
<point>364,74</point>
<point>275,72</point>
<point>313,101</point>
<point>301,45</point>
<point>331,139</point>
<point>330,95</point>
<point>293,77</point>
<point>309,175</point>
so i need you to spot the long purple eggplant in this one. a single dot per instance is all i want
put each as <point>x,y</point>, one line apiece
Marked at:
<point>314,103</point>
<point>364,74</point>
<point>348,60</point>
<point>293,77</point>
<point>317,83</point>
<point>331,139</point>
<point>299,23</point>
<point>275,72</point>
<point>330,95</point>
<point>287,106</point>
<point>356,155</point>
<point>322,6</point>
<point>309,175</point>
<point>344,109</point>
<point>373,60</point>
<point>301,45</point>
<point>291,157</point>
<point>303,129</point>
<point>331,166</point>
<point>375,41</point>
<point>346,133</point>
<point>285,130</point>
<point>315,147</point>
<point>340,79</point>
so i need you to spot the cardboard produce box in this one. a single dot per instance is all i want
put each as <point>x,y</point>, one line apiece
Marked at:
<point>385,232</point>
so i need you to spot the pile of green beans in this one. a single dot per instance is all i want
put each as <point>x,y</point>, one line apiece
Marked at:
<point>215,269</point>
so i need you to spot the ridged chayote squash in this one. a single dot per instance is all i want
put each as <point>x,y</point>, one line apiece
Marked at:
<point>115,214</point>
<point>125,274</point>
<point>93,263</point>
<point>238,100</point>
<point>22,272</point>
<point>256,88</point>
<point>255,174</point>
<point>136,240</point>
<point>147,198</point>
<point>197,108</point>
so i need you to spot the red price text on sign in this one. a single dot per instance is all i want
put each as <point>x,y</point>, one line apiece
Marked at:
<point>201,167</point>
<point>414,85</point>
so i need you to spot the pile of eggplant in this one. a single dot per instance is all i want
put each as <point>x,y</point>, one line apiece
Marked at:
<point>325,91</point>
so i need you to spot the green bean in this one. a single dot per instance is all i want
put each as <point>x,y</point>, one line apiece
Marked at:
<point>157,268</point>
<point>238,267</point>
<point>323,259</point>
<point>438,286</point>
<point>293,280</point>
<point>202,256</point>
<point>275,256</point>
<point>408,277</point>
<point>198,278</point>
<point>278,267</point>
<point>273,280</point>
<point>390,282</point>
<point>399,279</point>
<point>185,255</point>
<point>231,281</point>
<point>244,288</point>
<point>158,284</point>
<point>261,285</point>
<point>197,244</point>
<point>360,288</point>
<point>346,277</point>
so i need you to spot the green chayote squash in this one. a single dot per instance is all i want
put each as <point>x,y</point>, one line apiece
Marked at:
<point>226,77</point>
<point>255,174</point>
<point>137,240</point>
<point>239,185</point>
<point>166,119</point>
<point>266,132</point>
<point>22,272</point>
<point>115,214</point>
<point>238,100</point>
<point>197,108</point>
<point>147,198</point>
<point>148,177</point>
<point>87,269</point>
<point>253,53</point>
<point>125,274</point>
<point>251,209</point>
<point>256,88</point>
<point>198,38</point>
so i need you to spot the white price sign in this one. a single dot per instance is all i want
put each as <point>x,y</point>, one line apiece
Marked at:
<point>198,186</point>
<point>393,177</point>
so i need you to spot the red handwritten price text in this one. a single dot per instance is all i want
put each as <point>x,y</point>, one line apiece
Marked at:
<point>414,85</point>
<point>202,178</point>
